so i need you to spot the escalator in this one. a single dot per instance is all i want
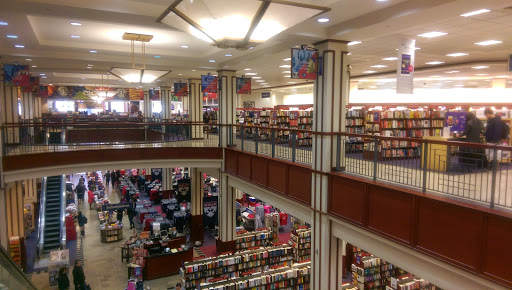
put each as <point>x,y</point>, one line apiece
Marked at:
<point>52,231</point>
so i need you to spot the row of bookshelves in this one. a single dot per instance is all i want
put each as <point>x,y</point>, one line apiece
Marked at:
<point>301,241</point>
<point>259,238</point>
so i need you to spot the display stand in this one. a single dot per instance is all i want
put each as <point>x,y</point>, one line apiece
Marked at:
<point>58,259</point>
<point>301,240</point>
<point>15,249</point>
<point>112,235</point>
<point>272,222</point>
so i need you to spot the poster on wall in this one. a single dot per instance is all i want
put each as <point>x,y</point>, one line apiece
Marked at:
<point>304,64</point>
<point>184,193</point>
<point>456,121</point>
<point>209,84</point>
<point>210,210</point>
<point>405,67</point>
<point>180,89</point>
<point>265,95</point>
<point>154,94</point>
<point>16,75</point>
<point>243,86</point>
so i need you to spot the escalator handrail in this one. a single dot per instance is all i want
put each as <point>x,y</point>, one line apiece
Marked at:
<point>41,222</point>
<point>63,213</point>
<point>14,270</point>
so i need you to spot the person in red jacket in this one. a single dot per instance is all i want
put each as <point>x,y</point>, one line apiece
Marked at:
<point>90,198</point>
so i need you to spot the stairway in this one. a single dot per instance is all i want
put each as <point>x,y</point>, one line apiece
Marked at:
<point>52,215</point>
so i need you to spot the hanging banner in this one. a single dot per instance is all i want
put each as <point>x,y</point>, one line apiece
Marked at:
<point>210,210</point>
<point>16,75</point>
<point>243,86</point>
<point>209,84</point>
<point>265,95</point>
<point>180,89</point>
<point>304,64</point>
<point>33,85</point>
<point>43,92</point>
<point>156,174</point>
<point>405,69</point>
<point>456,121</point>
<point>184,192</point>
<point>154,94</point>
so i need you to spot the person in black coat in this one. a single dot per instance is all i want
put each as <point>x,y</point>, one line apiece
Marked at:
<point>495,131</point>
<point>79,276</point>
<point>471,157</point>
<point>80,190</point>
<point>62,279</point>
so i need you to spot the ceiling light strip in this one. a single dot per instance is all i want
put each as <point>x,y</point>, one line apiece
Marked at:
<point>302,5</point>
<point>168,10</point>
<point>256,20</point>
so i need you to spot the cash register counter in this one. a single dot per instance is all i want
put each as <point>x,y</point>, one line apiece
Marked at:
<point>167,264</point>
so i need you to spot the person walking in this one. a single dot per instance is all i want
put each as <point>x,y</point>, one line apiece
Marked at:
<point>471,157</point>
<point>82,220</point>
<point>90,198</point>
<point>120,215</point>
<point>62,279</point>
<point>496,133</point>
<point>79,276</point>
<point>131,215</point>
<point>107,178</point>
<point>80,190</point>
<point>82,179</point>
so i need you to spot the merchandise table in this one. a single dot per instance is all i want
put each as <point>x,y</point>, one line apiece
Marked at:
<point>167,264</point>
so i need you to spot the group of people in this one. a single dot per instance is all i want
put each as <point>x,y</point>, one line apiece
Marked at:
<point>78,278</point>
<point>495,133</point>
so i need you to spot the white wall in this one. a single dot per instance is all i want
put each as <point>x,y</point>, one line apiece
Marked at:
<point>279,98</point>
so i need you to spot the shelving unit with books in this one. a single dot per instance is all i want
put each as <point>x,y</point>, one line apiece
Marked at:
<point>301,241</point>
<point>355,124</point>
<point>258,238</point>
<point>272,223</point>
<point>15,249</point>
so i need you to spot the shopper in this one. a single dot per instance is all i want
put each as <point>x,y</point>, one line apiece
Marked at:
<point>120,215</point>
<point>90,198</point>
<point>82,179</point>
<point>62,279</point>
<point>82,220</point>
<point>80,190</point>
<point>472,157</point>
<point>107,178</point>
<point>113,176</point>
<point>178,286</point>
<point>496,133</point>
<point>78,276</point>
<point>131,214</point>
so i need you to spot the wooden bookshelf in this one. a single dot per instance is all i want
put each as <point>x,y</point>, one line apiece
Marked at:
<point>260,238</point>
<point>301,240</point>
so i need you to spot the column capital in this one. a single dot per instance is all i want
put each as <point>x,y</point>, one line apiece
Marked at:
<point>332,44</point>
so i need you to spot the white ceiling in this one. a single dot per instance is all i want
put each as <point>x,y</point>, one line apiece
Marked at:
<point>42,26</point>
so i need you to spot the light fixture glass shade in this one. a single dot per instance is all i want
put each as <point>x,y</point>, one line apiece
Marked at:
<point>237,23</point>
<point>133,75</point>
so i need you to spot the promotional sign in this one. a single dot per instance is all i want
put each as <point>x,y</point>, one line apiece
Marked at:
<point>405,67</point>
<point>304,64</point>
<point>265,95</point>
<point>456,121</point>
<point>156,173</point>
<point>210,210</point>
<point>243,86</point>
<point>115,206</point>
<point>154,94</point>
<point>209,84</point>
<point>184,192</point>
<point>180,89</point>
<point>16,75</point>
<point>33,85</point>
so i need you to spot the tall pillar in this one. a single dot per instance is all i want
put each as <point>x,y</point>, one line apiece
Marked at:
<point>166,96</point>
<point>330,100</point>
<point>228,102</point>
<point>11,216</point>
<point>166,179</point>
<point>195,111</point>
<point>147,105</point>
<point>197,228</point>
<point>9,110</point>
<point>37,107</point>
<point>227,216</point>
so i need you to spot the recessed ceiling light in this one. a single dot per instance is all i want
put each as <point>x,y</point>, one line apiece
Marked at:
<point>89,67</point>
<point>459,85</point>
<point>251,74</point>
<point>3,23</point>
<point>260,81</point>
<point>382,0</point>
<point>180,74</point>
<point>156,56</point>
<point>322,20</point>
<point>211,60</point>
<point>502,76</point>
<point>12,36</point>
<point>286,66</point>
<point>457,54</point>
<point>247,69</point>
<point>44,77</point>
<point>369,72</point>
<point>480,67</point>
<point>75,36</point>
<point>287,76</point>
<point>432,34</point>
<point>353,43</point>
<point>256,77</point>
<point>435,76</point>
<point>452,71</point>
<point>287,59</point>
<point>184,46</point>
<point>83,78</point>
<point>193,70</point>
<point>475,12</point>
<point>228,54</point>
<point>93,51</point>
<point>75,23</point>
<point>390,58</point>
<point>34,66</point>
<point>292,82</point>
<point>379,66</point>
<point>19,46</point>
<point>41,74</point>
<point>482,74</point>
<point>349,53</point>
<point>434,62</point>
<point>252,47</point>
<point>488,42</point>
<point>28,59</point>
<point>287,72</point>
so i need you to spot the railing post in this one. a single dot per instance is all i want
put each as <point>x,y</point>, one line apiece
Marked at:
<point>242,137</point>
<point>256,135</point>
<point>273,132</point>
<point>375,158</point>
<point>294,147</point>
<point>425,163</point>
<point>230,137</point>
<point>494,172</point>
<point>338,153</point>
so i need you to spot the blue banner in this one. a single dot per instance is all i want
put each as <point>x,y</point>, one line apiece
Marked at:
<point>16,75</point>
<point>304,64</point>
<point>209,84</point>
<point>243,86</point>
<point>180,89</point>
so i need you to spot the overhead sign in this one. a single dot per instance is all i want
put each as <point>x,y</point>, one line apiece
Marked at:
<point>154,94</point>
<point>304,64</point>
<point>243,86</point>
<point>115,206</point>
<point>180,89</point>
<point>265,95</point>
<point>405,67</point>
<point>16,75</point>
<point>209,84</point>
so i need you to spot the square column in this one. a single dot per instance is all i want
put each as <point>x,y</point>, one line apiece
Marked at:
<point>228,102</point>
<point>197,227</point>
<point>195,112</point>
<point>227,216</point>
